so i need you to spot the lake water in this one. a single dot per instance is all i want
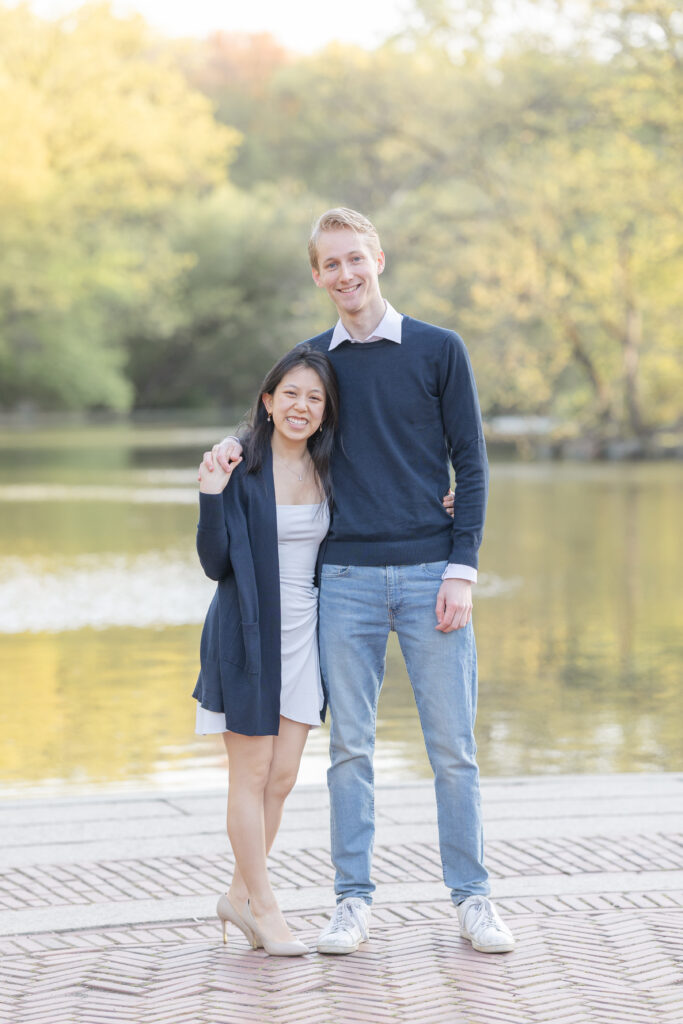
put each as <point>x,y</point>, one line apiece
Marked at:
<point>578,616</point>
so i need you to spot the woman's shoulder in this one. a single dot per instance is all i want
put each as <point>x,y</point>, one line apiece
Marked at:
<point>245,485</point>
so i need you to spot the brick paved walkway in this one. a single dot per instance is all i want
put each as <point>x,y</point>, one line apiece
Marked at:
<point>588,871</point>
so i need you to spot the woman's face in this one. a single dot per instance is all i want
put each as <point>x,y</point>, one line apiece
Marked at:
<point>297,404</point>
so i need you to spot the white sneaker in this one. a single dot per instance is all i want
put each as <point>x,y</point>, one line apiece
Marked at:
<point>348,927</point>
<point>479,922</point>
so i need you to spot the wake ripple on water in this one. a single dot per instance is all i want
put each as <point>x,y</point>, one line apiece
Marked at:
<point>99,492</point>
<point>490,585</point>
<point>98,591</point>
<point>154,589</point>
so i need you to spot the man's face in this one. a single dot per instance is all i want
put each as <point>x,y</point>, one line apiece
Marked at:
<point>348,270</point>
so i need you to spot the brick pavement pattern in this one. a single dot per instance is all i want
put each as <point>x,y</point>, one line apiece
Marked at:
<point>106,911</point>
<point>598,967</point>
<point>54,885</point>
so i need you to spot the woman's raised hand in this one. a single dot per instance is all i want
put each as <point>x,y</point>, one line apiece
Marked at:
<point>223,454</point>
<point>215,479</point>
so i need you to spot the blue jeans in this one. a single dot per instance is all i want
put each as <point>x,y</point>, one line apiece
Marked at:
<point>358,607</point>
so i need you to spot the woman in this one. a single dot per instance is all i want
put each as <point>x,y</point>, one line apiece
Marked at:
<point>259,683</point>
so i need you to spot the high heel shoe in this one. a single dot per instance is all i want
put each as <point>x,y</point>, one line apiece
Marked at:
<point>294,948</point>
<point>227,912</point>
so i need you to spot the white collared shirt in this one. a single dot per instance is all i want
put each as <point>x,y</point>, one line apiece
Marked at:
<point>389,329</point>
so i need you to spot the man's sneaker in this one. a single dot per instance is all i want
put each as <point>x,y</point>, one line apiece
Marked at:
<point>479,922</point>
<point>349,926</point>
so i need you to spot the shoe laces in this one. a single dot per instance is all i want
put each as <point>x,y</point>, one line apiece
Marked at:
<point>483,911</point>
<point>348,914</point>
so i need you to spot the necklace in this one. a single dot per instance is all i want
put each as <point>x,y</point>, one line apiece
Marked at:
<point>299,476</point>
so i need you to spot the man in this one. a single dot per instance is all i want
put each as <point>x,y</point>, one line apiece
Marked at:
<point>394,559</point>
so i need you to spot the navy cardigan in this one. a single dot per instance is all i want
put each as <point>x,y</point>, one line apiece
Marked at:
<point>240,671</point>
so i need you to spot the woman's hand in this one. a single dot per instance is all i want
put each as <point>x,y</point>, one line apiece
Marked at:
<point>215,480</point>
<point>223,454</point>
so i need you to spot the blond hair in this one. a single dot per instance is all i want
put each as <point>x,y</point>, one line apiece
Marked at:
<point>341,217</point>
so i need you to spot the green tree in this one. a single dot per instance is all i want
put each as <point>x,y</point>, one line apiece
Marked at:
<point>236,71</point>
<point>245,299</point>
<point>102,137</point>
<point>579,242</point>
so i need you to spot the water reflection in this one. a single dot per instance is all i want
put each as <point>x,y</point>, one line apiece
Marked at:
<point>101,599</point>
<point>158,588</point>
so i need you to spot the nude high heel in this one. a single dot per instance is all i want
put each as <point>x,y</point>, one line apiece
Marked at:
<point>294,948</point>
<point>227,912</point>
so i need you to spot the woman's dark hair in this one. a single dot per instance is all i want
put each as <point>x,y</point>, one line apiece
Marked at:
<point>257,440</point>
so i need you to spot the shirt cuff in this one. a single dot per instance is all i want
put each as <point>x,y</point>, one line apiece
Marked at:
<point>453,571</point>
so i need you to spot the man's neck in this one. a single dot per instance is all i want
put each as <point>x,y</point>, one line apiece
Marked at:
<point>361,325</point>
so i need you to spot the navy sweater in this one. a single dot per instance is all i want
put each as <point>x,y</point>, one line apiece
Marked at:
<point>406,410</point>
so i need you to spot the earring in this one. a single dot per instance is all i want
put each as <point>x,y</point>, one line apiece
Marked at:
<point>321,429</point>
<point>269,418</point>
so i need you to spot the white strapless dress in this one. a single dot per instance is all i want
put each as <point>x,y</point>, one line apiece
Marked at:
<point>300,530</point>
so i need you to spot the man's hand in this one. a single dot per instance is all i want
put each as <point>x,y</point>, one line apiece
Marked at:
<point>215,480</point>
<point>224,455</point>
<point>453,605</point>
<point>449,502</point>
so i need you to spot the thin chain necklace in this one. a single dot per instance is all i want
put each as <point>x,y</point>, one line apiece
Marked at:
<point>299,476</point>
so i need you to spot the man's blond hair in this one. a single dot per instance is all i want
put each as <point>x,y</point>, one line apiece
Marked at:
<point>341,217</point>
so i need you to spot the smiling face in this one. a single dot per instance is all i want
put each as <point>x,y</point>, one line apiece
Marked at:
<point>348,269</point>
<point>297,404</point>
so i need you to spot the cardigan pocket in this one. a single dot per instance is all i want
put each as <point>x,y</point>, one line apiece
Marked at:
<point>232,645</point>
<point>252,646</point>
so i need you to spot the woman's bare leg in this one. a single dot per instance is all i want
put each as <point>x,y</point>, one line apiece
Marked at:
<point>249,761</point>
<point>288,747</point>
<point>284,768</point>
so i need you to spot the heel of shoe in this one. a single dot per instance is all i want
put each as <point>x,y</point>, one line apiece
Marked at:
<point>226,912</point>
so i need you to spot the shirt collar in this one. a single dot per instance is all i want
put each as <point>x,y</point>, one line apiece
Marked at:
<point>388,328</point>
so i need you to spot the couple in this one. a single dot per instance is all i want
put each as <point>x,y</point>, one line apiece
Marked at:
<point>360,423</point>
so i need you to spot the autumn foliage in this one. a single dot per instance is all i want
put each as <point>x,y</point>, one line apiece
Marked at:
<point>156,195</point>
